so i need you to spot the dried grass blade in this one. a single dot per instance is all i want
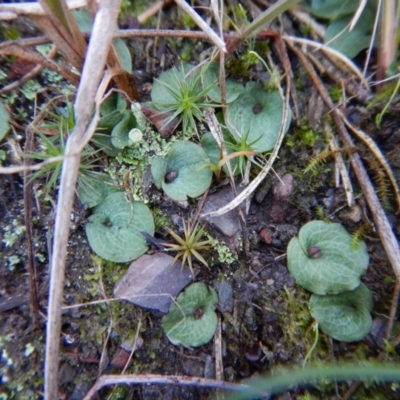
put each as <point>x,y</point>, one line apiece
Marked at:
<point>348,188</point>
<point>59,25</point>
<point>202,25</point>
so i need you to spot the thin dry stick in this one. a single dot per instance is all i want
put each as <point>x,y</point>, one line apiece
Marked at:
<point>385,232</point>
<point>373,37</point>
<point>28,195</point>
<point>30,75</point>
<point>133,33</point>
<point>219,366</point>
<point>393,310</point>
<point>150,379</point>
<point>12,48</point>
<point>305,18</point>
<point>35,167</point>
<point>135,341</point>
<point>109,300</point>
<point>387,34</point>
<point>34,8</point>
<point>332,54</point>
<point>100,42</point>
<point>202,24</point>
<point>63,30</point>
<point>348,189</point>
<point>130,355</point>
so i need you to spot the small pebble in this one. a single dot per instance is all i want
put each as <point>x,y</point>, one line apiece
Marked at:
<point>225,295</point>
<point>209,369</point>
<point>265,235</point>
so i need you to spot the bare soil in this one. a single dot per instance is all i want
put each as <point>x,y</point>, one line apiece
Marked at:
<point>269,309</point>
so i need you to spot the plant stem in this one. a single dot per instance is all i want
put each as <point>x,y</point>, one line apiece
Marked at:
<point>387,34</point>
<point>148,379</point>
<point>100,42</point>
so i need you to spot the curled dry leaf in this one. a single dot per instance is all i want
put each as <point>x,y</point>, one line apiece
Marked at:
<point>152,281</point>
<point>161,120</point>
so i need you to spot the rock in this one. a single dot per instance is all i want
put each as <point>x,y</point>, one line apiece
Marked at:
<point>284,188</point>
<point>128,344</point>
<point>282,193</point>
<point>227,224</point>
<point>80,390</point>
<point>354,214</point>
<point>120,358</point>
<point>209,368</point>
<point>225,295</point>
<point>265,235</point>
<point>282,235</point>
<point>192,366</point>
<point>152,281</point>
<point>66,374</point>
<point>378,331</point>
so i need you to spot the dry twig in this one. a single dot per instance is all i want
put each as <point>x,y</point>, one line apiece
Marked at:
<point>104,25</point>
<point>13,48</point>
<point>202,24</point>
<point>150,379</point>
<point>341,166</point>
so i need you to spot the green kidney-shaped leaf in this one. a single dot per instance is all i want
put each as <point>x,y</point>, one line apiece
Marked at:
<point>109,120</point>
<point>94,187</point>
<point>332,9</point>
<point>159,168</point>
<point>4,121</point>
<point>210,145</point>
<point>114,102</point>
<point>114,228</point>
<point>102,137</point>
<point>351,42</point>
<point>210,81</point>
<point>83,19</point>
<point>120,133</point>
<point>123,54</point>
<point>103,142</point>
<point>335,268</point>
<point>345,316</point>
<point>258,114</point>
<point>193,321</point>
<point>186,164</point>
